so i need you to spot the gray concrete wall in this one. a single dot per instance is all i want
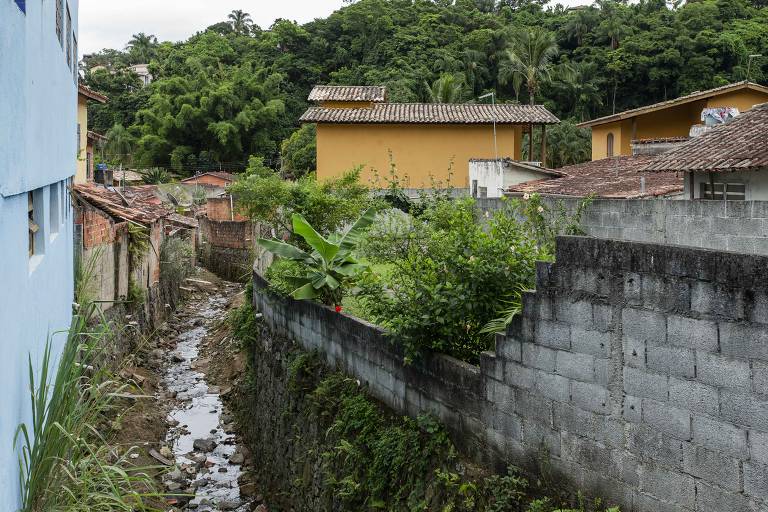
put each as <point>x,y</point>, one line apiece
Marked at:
<point>637,372</point>
<point>740,226</point>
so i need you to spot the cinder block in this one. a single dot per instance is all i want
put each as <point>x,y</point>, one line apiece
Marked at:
<point>648,444</point>
<point>518,375</point>
<point>722,372</point>
<point>575,366</point>
<point>667,485</point>
<point>712,466</point>
<point>692,333</point>
<point>634,352</point>
<point>667,419</point>
<point>694,396</point>
<point>641,325</point>
<point>744,340</point>
<point>586,452</point>
<point>680,362</point>
<point>602,371</point>
<point>710,498</point>
<point>632,288</point>
<point>641,383</point>
<point>744,409</point>
<point>553,386</point>
<point>569,418</point>
<point>632,409</point>
<point>491,366</point>
<point>591,342</point>
<point>756,480</point>
<point>499,394</point>
<point>590,397</point>
<point>760,377</point>
<point>578,313</point>
<point>533,407</point>
<point>602,317</point>
<point>510,425</point>
<point>718,435</point>
<point>536,356</point>
<point>509,348</point>
<point>661,293</point>
<point>541,437</point>
<point>758,446</point>
<point>713,299</point>
<point>553,334</point>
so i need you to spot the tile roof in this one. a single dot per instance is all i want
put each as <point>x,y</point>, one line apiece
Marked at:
<point>616,178</point>
<point>694,96</point>
<point>91,94</point>
<point>741,144</point>
<point>227,176</point>
<point>432,113</point>
<point>375,93</point>
<point>96,137</point>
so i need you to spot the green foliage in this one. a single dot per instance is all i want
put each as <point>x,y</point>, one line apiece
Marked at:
<point>243,319</point>
<point>299,151</point>
<point>155,176</point>
<point>265,197</point>
<point>175,260</point>
<point>545,222</point>
<point>136,294</point>
<point>329,266</point>
<point>138,244</point>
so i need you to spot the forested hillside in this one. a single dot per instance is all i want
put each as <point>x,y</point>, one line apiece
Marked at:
<point>236,89</point>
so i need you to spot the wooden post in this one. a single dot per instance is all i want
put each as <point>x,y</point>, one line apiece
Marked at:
<point>530,142</point>
<point>543,145</point>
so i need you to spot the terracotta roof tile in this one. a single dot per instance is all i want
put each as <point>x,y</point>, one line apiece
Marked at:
<point>741,144</point>
<point>375,93</point>
<point>140,208</point>
<point>616,178</point>
<point>228,176</point>
<point>432,113</point>
<point>91,94</point>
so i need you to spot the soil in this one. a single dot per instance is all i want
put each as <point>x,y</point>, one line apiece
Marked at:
<point>181,425</point>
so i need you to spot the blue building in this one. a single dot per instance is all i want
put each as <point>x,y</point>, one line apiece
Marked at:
<point>38,155</point>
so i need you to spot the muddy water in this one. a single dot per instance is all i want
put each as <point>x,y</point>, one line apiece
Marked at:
<point>199,416</point>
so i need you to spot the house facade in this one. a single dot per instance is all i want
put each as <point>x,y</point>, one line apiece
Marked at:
<point>428,143</point>
<point>667,121</point>
<point>38,146</point>
<point>85,138</point>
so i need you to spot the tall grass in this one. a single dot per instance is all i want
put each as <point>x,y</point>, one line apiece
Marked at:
<point>65,462</point>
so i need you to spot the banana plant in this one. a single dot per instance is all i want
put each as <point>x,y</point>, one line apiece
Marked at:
<point>331,262</point>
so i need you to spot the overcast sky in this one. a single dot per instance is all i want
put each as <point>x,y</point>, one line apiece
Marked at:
<point>111,23</point>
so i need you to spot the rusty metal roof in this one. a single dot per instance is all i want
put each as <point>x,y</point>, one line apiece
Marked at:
<point>616,178</point>
<point>432,113</point>
<point>375,93</point>
<point>694,96</point>
<point>739,145</point>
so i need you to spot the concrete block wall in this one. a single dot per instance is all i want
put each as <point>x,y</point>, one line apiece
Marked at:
<point>739,226</point>
<point>637,372</point>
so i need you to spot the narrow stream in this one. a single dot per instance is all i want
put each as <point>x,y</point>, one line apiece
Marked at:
<point>202,441</point>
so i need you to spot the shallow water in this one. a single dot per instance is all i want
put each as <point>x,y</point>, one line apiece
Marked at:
<point>199,416</point>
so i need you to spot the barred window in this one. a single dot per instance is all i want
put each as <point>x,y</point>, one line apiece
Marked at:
<point>728,191</point>
<point>59,23</point>
<point>69,38</point>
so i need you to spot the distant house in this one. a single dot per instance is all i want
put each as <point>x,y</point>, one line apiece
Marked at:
<point>619,177</point>
<point>211,179</point>
<point>85,138</point>
<point>667,121</point>
<point>729,161</point>
<point>491,177</point>
<point>143,71</point>
<point>38,123</point>
<point>427,142</point>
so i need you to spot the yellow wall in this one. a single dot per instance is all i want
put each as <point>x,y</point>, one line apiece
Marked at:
<point>418,150</point>
<point>82,120</point>
<point>669,122</point>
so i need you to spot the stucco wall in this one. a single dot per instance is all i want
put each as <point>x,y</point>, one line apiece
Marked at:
<point>496,176</point>
<point>418,151</point>
<point>756,183</point>
<point>636,372</point>
<point>82,120</point>
<point>37,149</point>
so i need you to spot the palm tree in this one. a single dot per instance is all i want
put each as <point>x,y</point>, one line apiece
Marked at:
<point>577,86</point>
<point>581,23</point>
<point>142,47</point>
<point>119,144</point>
<point>446,89</point>
<point>529,60</point>
<point>241,21</point>
<point>475,69</point>
<point>570,145</point>
<point>613,26</point>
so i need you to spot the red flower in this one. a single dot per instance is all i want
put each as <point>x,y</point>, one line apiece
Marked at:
<point>338,309</point>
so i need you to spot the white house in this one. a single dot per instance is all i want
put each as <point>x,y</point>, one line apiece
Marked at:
<point>143,71</point>
<point>491,177</point>
<point>38,149</point>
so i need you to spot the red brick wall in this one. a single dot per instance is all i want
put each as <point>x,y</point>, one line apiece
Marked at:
<point>232,234</point>
<point>207,179</point>
<point>218,208</point>
<point>98,228</point>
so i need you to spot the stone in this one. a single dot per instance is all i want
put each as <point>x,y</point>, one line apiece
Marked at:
<point>261,508</point>
<point>228,504</point>
<point>204,445</point>
<point>166,452</point>
<point>237,458</point>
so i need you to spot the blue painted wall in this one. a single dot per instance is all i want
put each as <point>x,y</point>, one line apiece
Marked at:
<point>38,128</point>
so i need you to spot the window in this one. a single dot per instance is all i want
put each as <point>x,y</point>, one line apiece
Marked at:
<point>75,67</point>
<point>35,222</point>
<point>22,5</point>
<point>59,23</point>
<point>483,192</point>
<point>728,191</point>
<point>33,227</point>
<point>474,188</point>
<point>53,197</point>
<point>69,39</point>
<point>609,145</point>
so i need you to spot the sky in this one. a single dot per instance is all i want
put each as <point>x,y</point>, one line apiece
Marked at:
<point>111,23</point>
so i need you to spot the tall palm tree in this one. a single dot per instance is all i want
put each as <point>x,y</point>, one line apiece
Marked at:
<point>119,144</point>
<point>446,89</point>
<point>581,23</point>
<point>241,21</point>
<point>577,88</point>
<point>142,47</point>
<point>529,60</point>
<point>475,69</point>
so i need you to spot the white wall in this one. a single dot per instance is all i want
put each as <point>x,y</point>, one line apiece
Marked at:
<point>38,131</point>
<point>498,175</point>
<point>756,183</point>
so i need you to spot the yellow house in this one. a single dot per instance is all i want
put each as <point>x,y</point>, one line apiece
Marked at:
<point>429,143</point>
<point>84,149</point>
<point>613,135</point>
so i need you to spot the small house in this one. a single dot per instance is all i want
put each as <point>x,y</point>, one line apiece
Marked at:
<point>86,140</point>
<point>491,177</point>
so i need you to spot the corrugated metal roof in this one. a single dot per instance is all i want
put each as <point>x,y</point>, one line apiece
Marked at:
<point>374,93</point>
<point>616,178</point>
<point>432,113</point>
<point>741,144</point>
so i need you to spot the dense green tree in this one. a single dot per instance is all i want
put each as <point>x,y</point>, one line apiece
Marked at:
<point>529,59</point>
<point>241,22</point>
<point>299,151</point>
<point>141,48</point>
<point>446,89</point>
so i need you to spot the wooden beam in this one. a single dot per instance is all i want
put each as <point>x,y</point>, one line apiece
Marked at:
<point>544,145</point>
